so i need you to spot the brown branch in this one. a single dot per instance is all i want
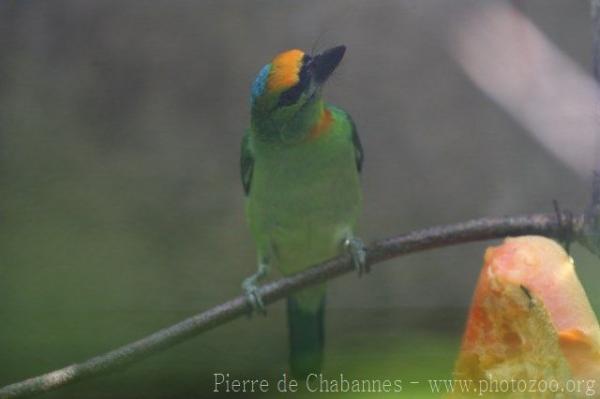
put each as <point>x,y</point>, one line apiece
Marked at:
<point>595,11</point>
<point>560,225</point>
<point>591,229</point>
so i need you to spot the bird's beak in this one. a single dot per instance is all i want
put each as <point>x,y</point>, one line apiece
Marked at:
<point>325,63</point>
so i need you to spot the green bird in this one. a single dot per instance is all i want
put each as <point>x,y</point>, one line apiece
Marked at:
<point>300,165</point>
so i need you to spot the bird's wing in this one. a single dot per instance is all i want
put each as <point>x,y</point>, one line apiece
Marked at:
<point>358,150</point>
<point>246,163</point>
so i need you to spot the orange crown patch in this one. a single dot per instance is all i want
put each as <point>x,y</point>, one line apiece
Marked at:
<point>285,69</point>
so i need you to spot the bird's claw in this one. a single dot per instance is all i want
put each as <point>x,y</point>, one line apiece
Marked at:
<point>253,295</point>
<point>358,253</point>
<point>250,287</point>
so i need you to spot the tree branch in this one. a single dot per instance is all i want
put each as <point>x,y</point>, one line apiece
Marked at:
<point>560,225</point>
<point>595,11</point>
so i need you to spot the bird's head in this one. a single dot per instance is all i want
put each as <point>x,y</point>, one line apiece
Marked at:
<point>286,94</point>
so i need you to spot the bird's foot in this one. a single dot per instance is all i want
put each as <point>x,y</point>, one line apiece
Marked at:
<point>251,289</point>
<point>358,253</point>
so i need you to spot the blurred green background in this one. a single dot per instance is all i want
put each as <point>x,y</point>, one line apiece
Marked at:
<point>121,209</point>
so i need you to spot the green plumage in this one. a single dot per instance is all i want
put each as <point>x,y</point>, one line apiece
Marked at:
<point>303,199</point>
<point>307,337</point>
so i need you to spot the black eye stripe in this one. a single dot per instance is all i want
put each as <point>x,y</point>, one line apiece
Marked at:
<point>291,95</point>
<point>304,70</point>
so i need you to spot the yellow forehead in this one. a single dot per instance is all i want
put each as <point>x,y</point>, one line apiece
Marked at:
<point>285,69</point>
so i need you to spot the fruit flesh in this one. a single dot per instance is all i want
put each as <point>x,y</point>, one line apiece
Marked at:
<point>529,317</point>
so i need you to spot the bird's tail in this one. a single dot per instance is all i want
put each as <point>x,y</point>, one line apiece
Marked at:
<point>307,333</point>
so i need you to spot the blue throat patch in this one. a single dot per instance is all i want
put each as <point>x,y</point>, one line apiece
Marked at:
<point>258,87</point>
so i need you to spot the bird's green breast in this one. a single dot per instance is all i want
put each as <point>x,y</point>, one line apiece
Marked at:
<point>305,196</point>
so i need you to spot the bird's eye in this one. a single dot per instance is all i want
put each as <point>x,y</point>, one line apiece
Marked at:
<point>291,95</point>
